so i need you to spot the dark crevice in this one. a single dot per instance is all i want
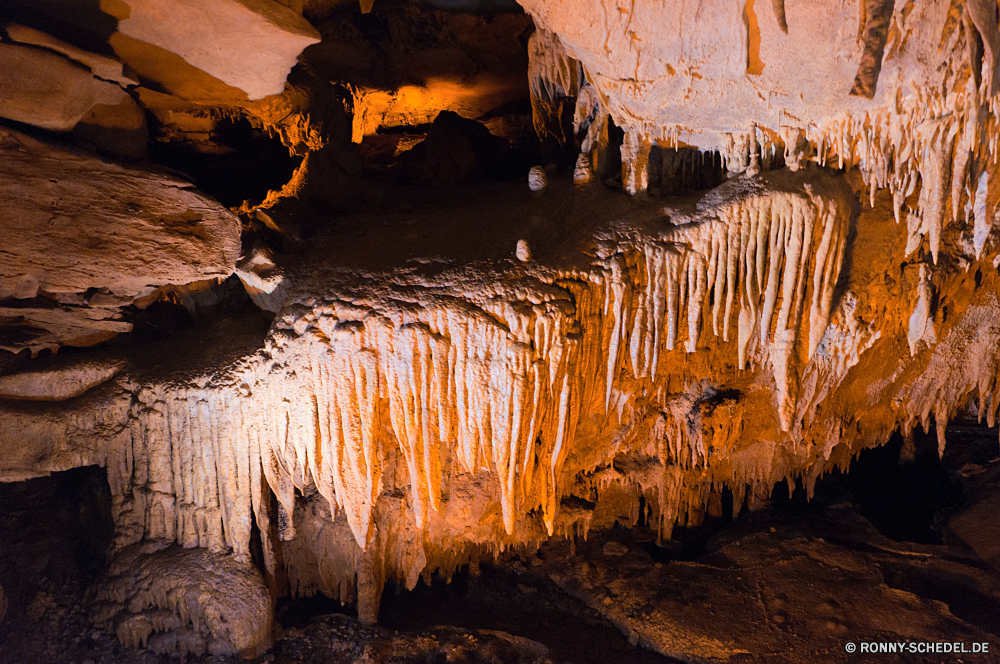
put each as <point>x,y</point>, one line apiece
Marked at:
<point>518,600</point>
<point>234,162</point>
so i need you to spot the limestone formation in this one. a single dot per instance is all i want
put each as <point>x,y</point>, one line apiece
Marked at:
<point>537,179</point>
<point>255,59</point>
<point>227,49</point>
<point>795,258</point>
<point>264,281</point>
<point>434,421</point>
<point>925,114</point>
<point>101,66</point>
<point>48,90</point>
<point>65,381</point>
<point>523,251</point>
<point>88,237</point>
<point>184,600</point>
<point>582,170</point>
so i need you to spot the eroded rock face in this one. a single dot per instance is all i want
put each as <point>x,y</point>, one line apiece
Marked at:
<point>223,50</point>
<point>256,58</point>
<point>409,421</point>
<point>65,381</point>
<point>49,90</point>
<point>907,96</point>
<point>102,66</point>
<point>172,600</point>
<point>75,224</point>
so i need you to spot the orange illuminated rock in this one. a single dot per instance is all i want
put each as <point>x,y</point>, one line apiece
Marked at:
<point>247,44</point>
<point>47,90</point>
<point>903,94</point>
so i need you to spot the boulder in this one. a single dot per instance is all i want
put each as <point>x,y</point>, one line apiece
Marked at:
<point>456,151</point>
<point>255,57</point>
<point>47,90</point>
<point>75,224</point>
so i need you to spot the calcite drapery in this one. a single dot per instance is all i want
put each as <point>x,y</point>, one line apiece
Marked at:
<point>925,113</point>
<point>438,418</point>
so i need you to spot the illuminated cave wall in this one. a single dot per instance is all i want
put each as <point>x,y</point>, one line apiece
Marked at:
<point>840,285</point>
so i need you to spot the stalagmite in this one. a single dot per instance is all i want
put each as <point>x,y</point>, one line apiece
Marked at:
<point>582,170</point>
<point>174,601</point>
<point>921,327</point>
<point>537,179</point>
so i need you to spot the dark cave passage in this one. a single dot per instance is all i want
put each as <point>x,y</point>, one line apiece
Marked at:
<point>232,160</point>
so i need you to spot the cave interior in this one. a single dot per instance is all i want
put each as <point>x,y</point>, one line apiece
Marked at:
<point>496,331</point>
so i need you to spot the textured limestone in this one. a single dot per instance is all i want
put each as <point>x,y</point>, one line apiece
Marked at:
<point>126,228</point>
<point>555,81</point>
<point>410,414</point>
<point>407,422</point>
<point>74,222</point>
<point>256,58</point>
<point>263,280</point>
<point>37,441</point>
<point>537,179</point>
<point>746,81</point>
<point>171,600</point>
<point>64,381</point>
<point>799,588</point>
<point>713,70</point>
<point>47,90</point>
<point>102,66</point>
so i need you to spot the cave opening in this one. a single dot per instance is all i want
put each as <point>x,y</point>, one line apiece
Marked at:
<point>55,536</point>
